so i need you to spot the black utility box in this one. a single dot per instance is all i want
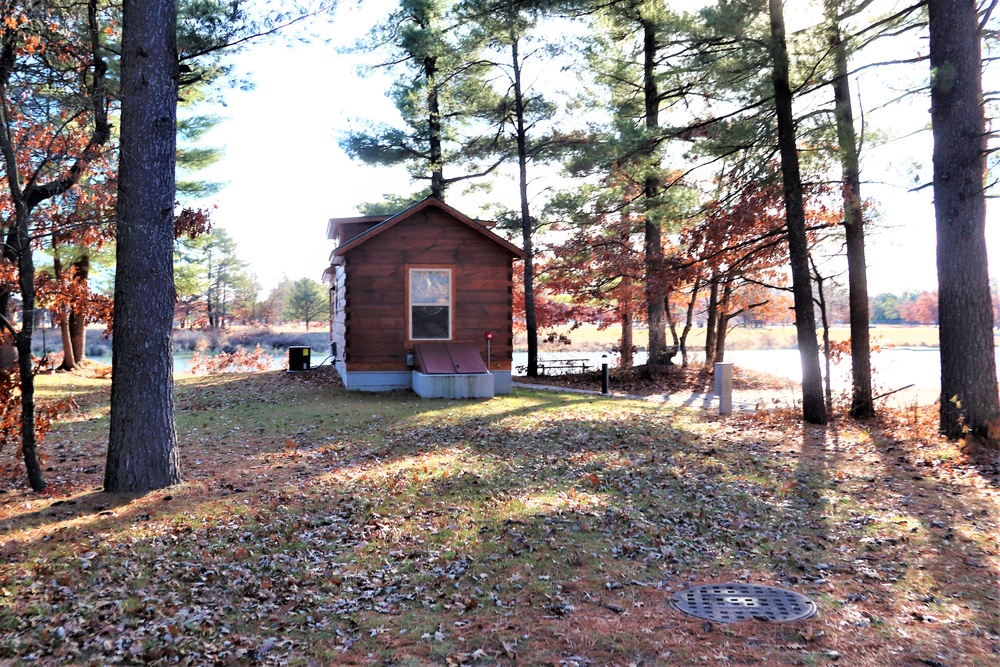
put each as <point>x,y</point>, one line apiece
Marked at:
<point>298,358</point>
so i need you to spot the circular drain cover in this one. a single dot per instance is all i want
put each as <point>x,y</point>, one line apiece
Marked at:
<point>732,603</point>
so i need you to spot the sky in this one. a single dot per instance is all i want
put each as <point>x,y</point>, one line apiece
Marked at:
<point>285,174</point>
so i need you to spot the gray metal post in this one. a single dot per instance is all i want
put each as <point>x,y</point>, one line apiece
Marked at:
<point>724,387</point>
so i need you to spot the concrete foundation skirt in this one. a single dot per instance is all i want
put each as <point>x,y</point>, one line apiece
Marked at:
<point>459,385</point>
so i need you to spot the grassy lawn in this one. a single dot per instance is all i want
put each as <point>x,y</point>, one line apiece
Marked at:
<point>320,527</point>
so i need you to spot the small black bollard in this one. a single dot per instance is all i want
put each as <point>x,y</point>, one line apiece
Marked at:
<point>605,380</point>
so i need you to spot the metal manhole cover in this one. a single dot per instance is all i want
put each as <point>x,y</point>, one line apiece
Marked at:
<point>733,603</point>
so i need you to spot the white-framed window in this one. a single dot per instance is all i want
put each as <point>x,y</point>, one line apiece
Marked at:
<point>430,304</point>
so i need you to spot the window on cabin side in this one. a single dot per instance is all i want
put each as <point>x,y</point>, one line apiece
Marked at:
<point>430,304</point>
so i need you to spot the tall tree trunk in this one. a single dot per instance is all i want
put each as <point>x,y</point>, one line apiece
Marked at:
<point>968,366</point>
<point>862,403</point>
<point>68,361</point>
<point>78,336</point>
<point>434,129</point>
<point>29,442</point>
<point>813,408</point>
<point>527,228</point>
<point>821,302</point>
<point>25,199</point>
<point>17,250</point>
<point>77,317</point>
<point>627,343</point>
<point>722,328</point>
<point>655,314</point>
<point>689,319</point>
<point>142,449</point>
<point>672,328</point>
<point>26,281</point>
<point>211,296</point>
<point>719,354</point>
<point>711,317</point>
<point>8,343</point>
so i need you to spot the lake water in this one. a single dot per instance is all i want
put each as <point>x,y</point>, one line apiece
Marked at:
<point>182,361</point>
<point>892,368</point>
<point>918,369</point>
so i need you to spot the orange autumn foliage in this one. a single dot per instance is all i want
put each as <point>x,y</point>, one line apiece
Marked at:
<point>10,419</point>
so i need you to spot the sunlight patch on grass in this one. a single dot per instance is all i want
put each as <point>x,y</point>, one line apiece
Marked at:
<point>335,527</point>
<point>529,504</point>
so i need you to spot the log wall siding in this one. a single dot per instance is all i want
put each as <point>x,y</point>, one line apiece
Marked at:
<point>375,299</point>
<point>338,312</point>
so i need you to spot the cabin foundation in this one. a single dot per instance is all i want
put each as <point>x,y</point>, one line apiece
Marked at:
<point>457,385</point>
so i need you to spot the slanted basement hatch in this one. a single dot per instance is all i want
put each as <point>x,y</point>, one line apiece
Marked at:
<point>450,370</point>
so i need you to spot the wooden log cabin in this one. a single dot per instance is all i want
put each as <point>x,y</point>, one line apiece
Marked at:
<point>425,292</point>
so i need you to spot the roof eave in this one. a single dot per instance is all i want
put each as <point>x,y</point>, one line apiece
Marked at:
<point>416,208</point>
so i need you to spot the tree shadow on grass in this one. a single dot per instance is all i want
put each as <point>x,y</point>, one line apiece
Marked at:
<point>77,510</point>
<point>889,563</point>
<point>548,527</point>
<point>532,512</point>
<point>942,553</point>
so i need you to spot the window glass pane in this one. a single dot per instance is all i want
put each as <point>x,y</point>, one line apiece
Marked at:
<point>430,322</point>
<point>430,304</point>
<point>430,287</point>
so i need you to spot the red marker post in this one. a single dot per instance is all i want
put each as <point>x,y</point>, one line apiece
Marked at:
<point>489,339</point>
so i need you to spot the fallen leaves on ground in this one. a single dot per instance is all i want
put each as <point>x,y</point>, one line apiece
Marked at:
<point>321,527</point>
<point>668,380</point>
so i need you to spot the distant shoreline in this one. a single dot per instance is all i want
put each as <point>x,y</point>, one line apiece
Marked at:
<point>591,338</point>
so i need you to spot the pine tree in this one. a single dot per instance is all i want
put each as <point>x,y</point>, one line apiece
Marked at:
<point>862,403</point>
<point>209,276</point>
<point>306,301</point>
<point>969,399</point>
<point>510,34</point>
<point>142,447</point>
<point>632,60</point>
<point>813,407</point>
<point>439,93</point>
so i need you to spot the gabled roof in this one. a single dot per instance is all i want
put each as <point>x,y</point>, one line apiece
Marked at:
<point>333,225</point>
<point>392,221</point>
